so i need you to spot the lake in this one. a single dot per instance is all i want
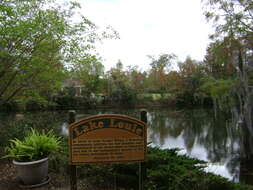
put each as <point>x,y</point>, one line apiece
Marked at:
<point>196,132</point>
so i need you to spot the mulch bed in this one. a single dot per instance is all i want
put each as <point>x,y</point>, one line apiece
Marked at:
<point>59,181</point>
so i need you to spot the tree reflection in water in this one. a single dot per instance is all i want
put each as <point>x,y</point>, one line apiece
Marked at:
<point>221,141</point>
<point>218,140</point>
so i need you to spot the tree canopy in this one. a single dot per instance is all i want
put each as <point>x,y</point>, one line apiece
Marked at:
<point>37,40</point>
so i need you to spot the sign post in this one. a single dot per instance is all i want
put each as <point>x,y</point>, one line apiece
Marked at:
<point>142,166</point>
<point>73,177</point>
<point>107,138</point>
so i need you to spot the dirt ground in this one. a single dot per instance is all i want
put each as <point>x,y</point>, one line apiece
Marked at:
<point>9,180</point>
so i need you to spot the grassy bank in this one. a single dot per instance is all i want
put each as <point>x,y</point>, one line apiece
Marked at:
<point>99,101</point>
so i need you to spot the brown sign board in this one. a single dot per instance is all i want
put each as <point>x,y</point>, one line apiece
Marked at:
<point>107,138</point>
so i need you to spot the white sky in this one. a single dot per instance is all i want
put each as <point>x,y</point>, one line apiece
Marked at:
<point>149,27</point>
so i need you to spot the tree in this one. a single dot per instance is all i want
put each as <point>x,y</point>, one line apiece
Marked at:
<point>191,72</point>
<point>159,70</point>
<point>222,74</point>
<point>119,86</point>
<point>89,70</point>
<point>234,30</point>
<point>234,27</point>
<point>136,78</point>
<point>230,18</point>
<point>218,63</point>
<point>37,39</point>
<point>175,83</point>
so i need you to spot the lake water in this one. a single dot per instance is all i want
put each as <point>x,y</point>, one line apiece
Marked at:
<point>195,132</point>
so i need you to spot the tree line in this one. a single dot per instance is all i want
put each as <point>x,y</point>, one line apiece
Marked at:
<point>42,45</point>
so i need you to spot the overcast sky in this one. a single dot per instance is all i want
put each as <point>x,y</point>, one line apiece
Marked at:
<point>149,27</point>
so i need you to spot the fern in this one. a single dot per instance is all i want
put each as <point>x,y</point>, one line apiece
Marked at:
<point>34,146</point>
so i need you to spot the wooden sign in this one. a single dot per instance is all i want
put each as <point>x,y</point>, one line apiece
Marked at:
<point>107,138</point>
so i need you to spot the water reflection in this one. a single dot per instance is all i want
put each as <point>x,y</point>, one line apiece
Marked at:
<point>224,143</point>
<point>199,135</point>
<point>64,129</point>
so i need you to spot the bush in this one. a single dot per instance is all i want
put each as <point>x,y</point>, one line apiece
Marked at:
<point>9,106</point>
<point>33,105</point>
<point>123,95</point>
<point>13,130</point>
<point>165,169</point>
<point>72,101</point>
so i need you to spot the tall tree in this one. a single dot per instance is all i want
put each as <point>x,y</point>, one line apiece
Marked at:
<point>159,69</point>
<point>89,71</point>
<point>37,39</point>
<point>136,78</point>
<point>120,90</point>
<point>191,72</point>
<point>233,21</point>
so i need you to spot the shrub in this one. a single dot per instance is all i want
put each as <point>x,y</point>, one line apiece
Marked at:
<point>166,170</point>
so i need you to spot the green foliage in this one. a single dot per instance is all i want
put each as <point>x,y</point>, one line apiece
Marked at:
<point>149,96</point>
<point>33,147</point>
<point>12,128</point>
<point>166,169</point>
<point>158,73</point>
<point>40,40</point>
<point>9,106</point>
<point>59,160</point>
<point>229,16</point>
<point>230,53</point>
<point>218,88</point>
<point>155,98</point>
<point>119,89</point>
<point>67,97</point>
<point>30,47</point>
<point>89,70</point>
<point>123,95</point>
<point>221,90</point>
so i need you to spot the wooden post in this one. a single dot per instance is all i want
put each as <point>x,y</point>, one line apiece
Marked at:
<point>73,177</point>
<point>144,116</point>
<point>142,166</point>
<point>115,182</point>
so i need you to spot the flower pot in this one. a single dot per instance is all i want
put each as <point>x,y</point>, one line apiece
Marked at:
<point>32,173</point>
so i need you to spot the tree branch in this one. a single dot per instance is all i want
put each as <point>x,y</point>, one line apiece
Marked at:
<point>13,94</point>
<point>8,83</point>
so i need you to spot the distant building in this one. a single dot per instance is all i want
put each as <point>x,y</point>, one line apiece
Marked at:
<point>74,83</point>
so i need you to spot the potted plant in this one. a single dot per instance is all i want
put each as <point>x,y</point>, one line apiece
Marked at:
<point>30,155</point>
